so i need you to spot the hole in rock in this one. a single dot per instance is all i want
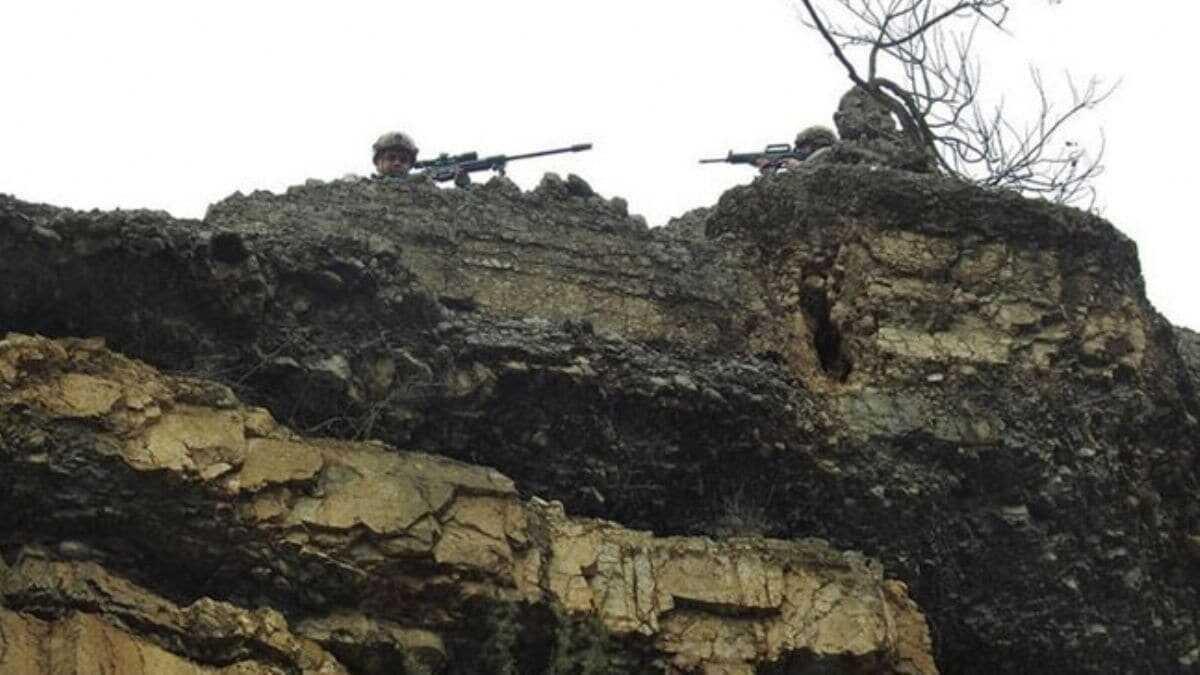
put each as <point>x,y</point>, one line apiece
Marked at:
<point>827,338</point>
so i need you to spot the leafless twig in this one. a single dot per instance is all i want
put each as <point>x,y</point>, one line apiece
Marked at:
<point>917,58</point>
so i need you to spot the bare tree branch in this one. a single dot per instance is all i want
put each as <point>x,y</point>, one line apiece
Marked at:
<point>929,46</point>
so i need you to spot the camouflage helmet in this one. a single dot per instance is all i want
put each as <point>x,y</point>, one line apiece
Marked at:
<point>862,115</point>
<point>817,136</point>
<point>394,140</point>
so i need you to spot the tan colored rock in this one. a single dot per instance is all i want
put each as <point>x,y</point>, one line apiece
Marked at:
<point>1115,337</point>
<point>979,265</point>
<point>82,644</point>
<point>917,648</point>
<point>190,438</point>
<point>722,607</point>
<point>393,646</point>
<point>407,537</point>
<point>914,254</point>
<point>960,344</point>
<point>109,625</point>
<point>906,298</point>
<point>271,461</point>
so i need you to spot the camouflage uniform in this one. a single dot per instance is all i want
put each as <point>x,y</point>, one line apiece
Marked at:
<point>870,135</point>
<point>815,142</point>
<point>860,117</point>
<point>811,143</point>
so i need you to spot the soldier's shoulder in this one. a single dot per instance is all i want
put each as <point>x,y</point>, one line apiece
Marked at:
<point>824,154</point>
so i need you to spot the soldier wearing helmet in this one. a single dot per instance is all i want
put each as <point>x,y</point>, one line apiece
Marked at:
<point>395,155</point>
<point>810,144</point>
<point>814,141</point>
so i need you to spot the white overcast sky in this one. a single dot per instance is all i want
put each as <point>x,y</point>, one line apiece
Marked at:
<point>174,105</point>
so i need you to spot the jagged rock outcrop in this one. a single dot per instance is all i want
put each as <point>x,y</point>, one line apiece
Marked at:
<point>690,225</point>
<point>998,351</point>
<point>969,385</point>
<point>67,617</point>
<point>175,484</point>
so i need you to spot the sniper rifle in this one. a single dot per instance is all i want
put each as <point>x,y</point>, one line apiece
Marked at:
<point>459,167</point>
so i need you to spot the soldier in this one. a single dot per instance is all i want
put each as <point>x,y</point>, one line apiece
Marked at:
<point>810,143</point>
<point>870,135</point>
<point>395,155</point>
<point>860,117</point>
<point>815,141</point>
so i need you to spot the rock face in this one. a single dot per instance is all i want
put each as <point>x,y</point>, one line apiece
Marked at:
<point>966,385</point>
<point>97,623</point>
<point>1189,349</point>
<point>212,498</point>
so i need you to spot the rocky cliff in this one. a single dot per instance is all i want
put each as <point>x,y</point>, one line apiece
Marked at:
<point>967,386</point>
<point>383,558</point>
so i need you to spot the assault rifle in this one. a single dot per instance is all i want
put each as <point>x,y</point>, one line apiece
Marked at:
<point>459,167</point>
<point>775,154</point>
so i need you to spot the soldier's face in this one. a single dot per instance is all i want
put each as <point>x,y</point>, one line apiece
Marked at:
<point>394,163</point>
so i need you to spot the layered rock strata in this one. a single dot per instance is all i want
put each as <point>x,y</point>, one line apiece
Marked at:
<point>72,617</point>
<point>968,385</point>
<point>172,482</point>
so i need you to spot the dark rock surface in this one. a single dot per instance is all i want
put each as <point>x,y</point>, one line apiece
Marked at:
<point>1189,349</point>
<point>393,561</point>
<point>690,225</point>
<point>966,384</point>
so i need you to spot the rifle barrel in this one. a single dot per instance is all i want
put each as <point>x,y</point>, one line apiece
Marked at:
<point>578,147</point>
<point>446,167</point>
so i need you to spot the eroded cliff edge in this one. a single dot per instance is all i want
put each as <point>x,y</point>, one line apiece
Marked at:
<point>967,385</point>
<point>387,560</point>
